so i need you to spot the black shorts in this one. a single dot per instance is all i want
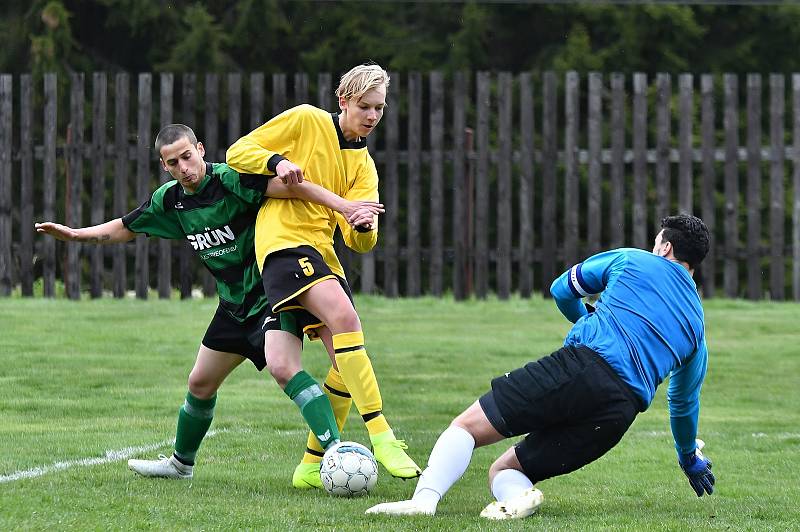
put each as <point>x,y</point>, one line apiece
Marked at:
<point>290,272</point>
<point>295,321</point>
<point>247,338</point>
<point>573,407</point>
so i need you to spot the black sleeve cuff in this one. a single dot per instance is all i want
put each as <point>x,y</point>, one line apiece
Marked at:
<point>273,161</point>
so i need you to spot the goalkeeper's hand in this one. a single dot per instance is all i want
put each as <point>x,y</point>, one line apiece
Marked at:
<point>698,470</point>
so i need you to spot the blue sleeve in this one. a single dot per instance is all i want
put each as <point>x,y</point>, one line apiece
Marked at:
<point>683,396</point>
<point>584,279</point>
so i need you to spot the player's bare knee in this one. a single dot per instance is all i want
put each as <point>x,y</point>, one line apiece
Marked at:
<point>280,371</point>
<point>345,322</point>
<point>201,386</point>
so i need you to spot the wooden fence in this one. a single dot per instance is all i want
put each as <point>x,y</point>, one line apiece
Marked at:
<point>493,182</point>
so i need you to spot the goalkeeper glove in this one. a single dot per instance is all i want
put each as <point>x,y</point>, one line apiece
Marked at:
<point>697,469</point>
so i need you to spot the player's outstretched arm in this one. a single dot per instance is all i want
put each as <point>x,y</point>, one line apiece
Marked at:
<point>357,211</point>
<point>111,232</point>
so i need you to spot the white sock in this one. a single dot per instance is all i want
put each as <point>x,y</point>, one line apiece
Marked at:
<point>447,462</point>
<point>509,483</point>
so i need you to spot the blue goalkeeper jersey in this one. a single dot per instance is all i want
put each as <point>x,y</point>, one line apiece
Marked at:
<point>648,324</point>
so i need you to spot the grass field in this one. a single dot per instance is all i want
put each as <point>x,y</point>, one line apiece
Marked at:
<point>83,386</point>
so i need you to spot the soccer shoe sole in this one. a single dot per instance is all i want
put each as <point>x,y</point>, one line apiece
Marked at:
<point>399,508</point>
<point>517,508</point>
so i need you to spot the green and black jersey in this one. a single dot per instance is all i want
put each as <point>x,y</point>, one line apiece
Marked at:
<point>218,220</point>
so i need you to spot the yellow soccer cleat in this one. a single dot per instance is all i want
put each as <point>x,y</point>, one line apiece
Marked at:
<point>306,476</point>
<point>390,452</point>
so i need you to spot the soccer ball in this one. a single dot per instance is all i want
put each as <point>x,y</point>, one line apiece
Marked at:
<point>348,470</point>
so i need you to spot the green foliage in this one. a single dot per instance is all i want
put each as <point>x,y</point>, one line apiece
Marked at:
<point>200,48</point>
<point>315,35</point>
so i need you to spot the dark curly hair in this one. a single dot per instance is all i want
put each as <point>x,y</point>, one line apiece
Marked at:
<point>688,236</point>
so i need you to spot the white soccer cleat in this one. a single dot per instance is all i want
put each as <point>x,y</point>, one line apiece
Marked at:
<point>520,506</point>
<point>164,467</point>
<point>410,507</point>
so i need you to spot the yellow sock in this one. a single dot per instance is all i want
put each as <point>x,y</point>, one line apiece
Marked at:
<point>359,377</point>
<point>340,402</point>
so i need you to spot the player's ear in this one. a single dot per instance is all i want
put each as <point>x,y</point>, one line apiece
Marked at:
<point>342,103</point>
<point>201,149</point>
<point>163,164</point>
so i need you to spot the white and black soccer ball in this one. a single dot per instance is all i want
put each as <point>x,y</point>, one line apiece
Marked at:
<point>348,470</point>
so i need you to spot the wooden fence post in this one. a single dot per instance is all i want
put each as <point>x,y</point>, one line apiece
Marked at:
<point>796,187</point>
<point>731,224</point>
<point>26,185</point>
<point>165,246</point>
<point>121,166</point>
<point>663,137</point>
<point>390,195</point>
<point>186,264</point>
<point>709,184</point>
<point>481,258</point>
<point>413,207</point>
<point>278,93</point>
<point>616,216</point>
<point>74,178</point>
<point>6,174</point>
<point>639,196</point>
<point>143,178</point>
<point>572,193</point>
<point>549,159</point>
<point>686,112</point>
<point>526,241</point>
<point>753,262</point>
<point>460,189</point>
<point>503,186</point>
<point>777,215</point>
<point>98,157</point>
<point>300,88</point>
<point>436,187</point>
<point>594,191</point>
<point>256,99</point>
<point>211,135</point>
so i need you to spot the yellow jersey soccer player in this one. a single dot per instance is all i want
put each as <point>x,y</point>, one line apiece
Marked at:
<point>294,246</point>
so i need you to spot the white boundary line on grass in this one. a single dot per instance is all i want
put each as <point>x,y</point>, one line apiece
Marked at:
<point>110,456</point>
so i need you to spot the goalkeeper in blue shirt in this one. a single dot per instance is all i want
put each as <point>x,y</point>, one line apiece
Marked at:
<point>575,404</point>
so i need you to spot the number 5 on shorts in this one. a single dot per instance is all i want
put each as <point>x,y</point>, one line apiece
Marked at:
<point>306,266</point>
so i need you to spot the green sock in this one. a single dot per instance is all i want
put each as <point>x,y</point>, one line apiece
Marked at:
<point>194,418</point>
<point>314,406</point>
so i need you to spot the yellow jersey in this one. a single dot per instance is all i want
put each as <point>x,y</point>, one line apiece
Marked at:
<point>312,139</point>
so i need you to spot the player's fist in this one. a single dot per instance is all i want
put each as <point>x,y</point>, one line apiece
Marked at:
<point>288,172</point>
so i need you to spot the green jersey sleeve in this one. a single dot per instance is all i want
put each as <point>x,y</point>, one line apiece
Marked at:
<point>250,188</point>
<point>152,219</point>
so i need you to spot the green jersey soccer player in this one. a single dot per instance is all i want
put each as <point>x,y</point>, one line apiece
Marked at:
<point>214,208</point>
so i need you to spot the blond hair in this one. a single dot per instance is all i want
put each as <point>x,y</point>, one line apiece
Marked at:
<point>361,79</point>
